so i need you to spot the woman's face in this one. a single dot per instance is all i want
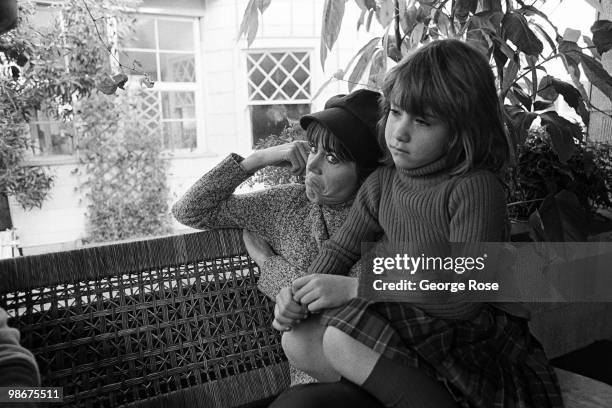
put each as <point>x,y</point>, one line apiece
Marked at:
<point>328,180</point>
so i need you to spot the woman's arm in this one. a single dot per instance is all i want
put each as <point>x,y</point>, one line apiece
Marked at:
<point>343,249</point>
<point>17,365</point>
<point>210,202</point>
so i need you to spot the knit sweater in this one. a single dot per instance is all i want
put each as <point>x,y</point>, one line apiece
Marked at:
<point>282,215</point>
<point>419,206</point>
<point>294,227</point>
<point>17,365</point>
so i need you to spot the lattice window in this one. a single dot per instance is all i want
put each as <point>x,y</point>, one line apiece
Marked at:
<point>166,49</point>
<point>279,90</point>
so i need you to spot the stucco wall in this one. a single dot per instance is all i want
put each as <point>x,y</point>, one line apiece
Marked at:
<point>287,24</point>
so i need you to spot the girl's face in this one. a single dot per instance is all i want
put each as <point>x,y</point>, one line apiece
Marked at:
<point>328,180</point>
<point>415,141</point>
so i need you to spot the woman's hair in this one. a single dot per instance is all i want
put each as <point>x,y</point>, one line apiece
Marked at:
<point>452,81</point>
<point>318,134</point>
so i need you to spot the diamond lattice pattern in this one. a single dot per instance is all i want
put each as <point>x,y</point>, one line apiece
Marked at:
<point>278,76</point>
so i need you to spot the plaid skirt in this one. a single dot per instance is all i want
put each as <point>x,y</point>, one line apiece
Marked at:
<point>489,361</point>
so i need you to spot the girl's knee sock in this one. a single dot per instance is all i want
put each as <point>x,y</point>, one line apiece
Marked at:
<point>400,386</point>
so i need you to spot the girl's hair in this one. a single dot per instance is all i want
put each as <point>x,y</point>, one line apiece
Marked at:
<point>319,134</point>
<point>452,81</point>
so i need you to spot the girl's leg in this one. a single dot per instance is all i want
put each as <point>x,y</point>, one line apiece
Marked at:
<point>303,346</point>
<point>341,394</point>
<point>393,384</point>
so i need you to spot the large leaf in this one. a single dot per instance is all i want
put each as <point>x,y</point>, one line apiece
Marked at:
<point>544,34</point>
<point>596,74</point>
<point>510,74</point>
<point>333,13</point>
<point>408,19</point>
<point>377,69</point>
<point>8,15</point>
<point>516,29</point>
<point>560,218</point>
<point>463,8</point>
<point>385,12</point>
<point>262,5</point>
<point>562,133</point>
<point>602,35</point>
<point>520,121</point>
<point>490,5</point>
<point>362,63</point>
<point>250,22</point>
<point>366,5</point>
<point>551,87</point>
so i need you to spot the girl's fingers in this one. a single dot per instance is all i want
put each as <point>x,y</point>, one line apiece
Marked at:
<point>298,296</point>
<point>280,327</point>
<point>291,315</point>
<point>317,305</point>
<point>309,297</point>
<point>300,282</point>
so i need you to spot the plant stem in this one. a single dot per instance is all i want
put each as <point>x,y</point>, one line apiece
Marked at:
<point>524,202</point>
<point>108,48</point>
<point>452,18</point>
<point>398,40</point>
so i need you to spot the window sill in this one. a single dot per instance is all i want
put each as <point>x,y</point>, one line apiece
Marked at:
<point>64,160</point>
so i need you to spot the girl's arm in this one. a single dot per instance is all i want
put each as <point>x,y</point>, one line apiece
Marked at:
<point>343,249</point>
<point>477,207</point>
<point>210,202</point>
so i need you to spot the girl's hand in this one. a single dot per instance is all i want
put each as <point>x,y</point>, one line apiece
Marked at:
<point>293,155</point>
<point>287,312</point>
<point>257,247</point>
<point>318,291</point>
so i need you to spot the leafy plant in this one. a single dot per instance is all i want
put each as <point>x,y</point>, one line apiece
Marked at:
<point>47,71</point>
<point>518,39</point>
<point>271,175</point>
<point>127,187</point>
<point>57,71</point>
<point>539,173</point>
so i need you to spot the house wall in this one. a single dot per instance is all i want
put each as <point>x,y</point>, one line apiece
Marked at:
<point>286,24</point>
<point>600,127</point>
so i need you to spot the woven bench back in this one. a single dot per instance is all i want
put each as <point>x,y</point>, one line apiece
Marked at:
<point>162,322</point>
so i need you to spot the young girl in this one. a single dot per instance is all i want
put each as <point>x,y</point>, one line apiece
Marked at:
<point>444,134</point>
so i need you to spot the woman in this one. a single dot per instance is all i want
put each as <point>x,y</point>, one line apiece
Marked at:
<point>294,219</point>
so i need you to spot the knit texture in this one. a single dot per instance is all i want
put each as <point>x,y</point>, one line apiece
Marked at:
<point>419,206</point>
<point>17,365</point>
<point>294,227</point>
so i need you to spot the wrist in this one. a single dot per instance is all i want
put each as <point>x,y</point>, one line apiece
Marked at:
<point>252,163</point>
<point>354,288</point>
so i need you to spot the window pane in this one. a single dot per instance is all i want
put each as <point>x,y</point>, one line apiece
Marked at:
<point>143,36</point>
<point>52,138</point>
<point>178,105</point>
<point>175,35</point>
<point>180,135</point>
<point>45,18</point>
<point>279,76</point>
<point>269,120</point>
<point>140,61</point>
<point>177,67</point>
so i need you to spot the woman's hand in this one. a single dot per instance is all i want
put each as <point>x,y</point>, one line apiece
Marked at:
<point>318,291</point>
<point>293,155</point>
<point>287,312</point>
<point>257,247</point>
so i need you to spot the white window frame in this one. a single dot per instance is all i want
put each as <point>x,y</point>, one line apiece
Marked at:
<point>196,87</point>
<point>268,50</point>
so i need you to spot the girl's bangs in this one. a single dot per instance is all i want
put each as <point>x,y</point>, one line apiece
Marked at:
<point>415,89</point>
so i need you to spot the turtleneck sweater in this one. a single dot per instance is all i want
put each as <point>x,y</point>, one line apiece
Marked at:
<point>414,207</point>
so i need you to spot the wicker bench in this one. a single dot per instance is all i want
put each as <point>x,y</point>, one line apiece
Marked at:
<point>178,321</point>
<point>163,322</point>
